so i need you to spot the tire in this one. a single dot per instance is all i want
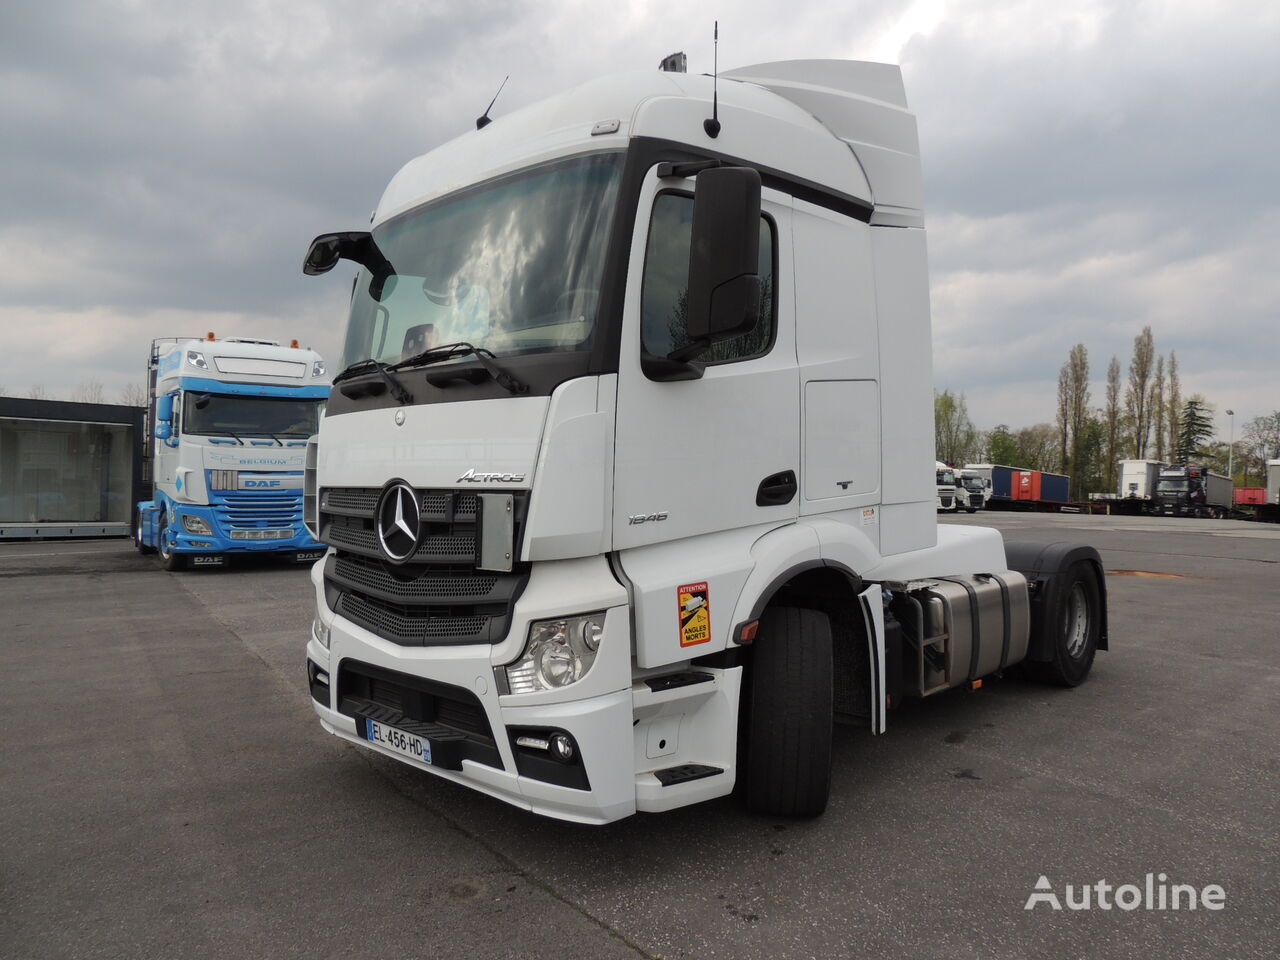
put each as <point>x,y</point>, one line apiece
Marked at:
<point>168,559</point>
<point>1078,624</point>
<point>787,754</point>
<point>137,535</point>
<point>970,509</point>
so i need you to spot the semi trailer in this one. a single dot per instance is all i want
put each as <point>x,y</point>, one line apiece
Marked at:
<point>623,475</point>
<point>225,438</point>
<point>1192,490</point>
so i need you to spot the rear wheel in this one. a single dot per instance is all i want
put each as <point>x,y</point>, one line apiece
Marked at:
<point>1077,624</point>
<point>788,725</point>
<point>169,559</point>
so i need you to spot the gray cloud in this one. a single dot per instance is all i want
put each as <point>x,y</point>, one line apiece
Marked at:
<point>1088,170</point>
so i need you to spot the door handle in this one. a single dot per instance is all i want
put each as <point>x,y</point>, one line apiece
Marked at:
<point>777,489</point>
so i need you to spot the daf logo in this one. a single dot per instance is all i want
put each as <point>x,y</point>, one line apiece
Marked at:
<point>398,521</point>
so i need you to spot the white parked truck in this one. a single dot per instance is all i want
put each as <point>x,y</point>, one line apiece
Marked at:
<point>945,483</point>
<point>226,434</point>
<point>623,480</point>
<point>977,489</point>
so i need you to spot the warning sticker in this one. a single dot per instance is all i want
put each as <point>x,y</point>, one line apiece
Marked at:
<point>695,613</point>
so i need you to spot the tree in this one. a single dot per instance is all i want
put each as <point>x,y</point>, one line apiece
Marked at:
<point>1196,428</point>
<point>1111,421</point>
<point>1156,405</point>
<point>133,396</point>
<point>1002,447</point>
<point>1136,398</point>
<point>1078,389</point>
<point>1258,443</point>
<point>88,392</point>
<point>957,438</point>
<point>1173,403</point>
<point>1037,448</point>
<point>38,392</point>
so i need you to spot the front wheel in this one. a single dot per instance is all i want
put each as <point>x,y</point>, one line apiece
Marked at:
<point>138,540</point>
<point>1077,625</point>
<point>971,509</point>
<point>788,724</point>
<point>169,559</point>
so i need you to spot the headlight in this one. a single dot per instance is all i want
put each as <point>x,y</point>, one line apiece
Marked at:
<point>317,368</point>
<point>559,652</point>
<point>320,630</point>
<point>196,525</point>
<point>196,359</point>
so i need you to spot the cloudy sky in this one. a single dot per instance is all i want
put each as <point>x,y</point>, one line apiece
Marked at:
<point>1090,167</point>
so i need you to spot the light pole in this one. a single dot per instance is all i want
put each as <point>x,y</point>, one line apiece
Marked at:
<point>1231,445</point>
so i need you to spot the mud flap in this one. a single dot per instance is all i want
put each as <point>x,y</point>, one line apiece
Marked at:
<point>873,618</point>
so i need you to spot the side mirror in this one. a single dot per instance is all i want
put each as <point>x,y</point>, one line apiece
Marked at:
<point>164,409</point>
<point>356,245</point>
<point>724,254</point>
<point>164,430</point>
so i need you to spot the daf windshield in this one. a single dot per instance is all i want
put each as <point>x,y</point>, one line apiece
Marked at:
<point>227,415</point>
<point>512,266</point>
<point>946,478</point>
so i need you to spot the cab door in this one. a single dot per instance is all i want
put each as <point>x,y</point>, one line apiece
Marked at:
<point>720,452</point>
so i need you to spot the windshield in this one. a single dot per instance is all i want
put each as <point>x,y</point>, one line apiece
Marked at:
<point>512,266</point>
<point>946,477</point>
<point>1171,486</point>
<point>218,414</point>
<point>974,483</point>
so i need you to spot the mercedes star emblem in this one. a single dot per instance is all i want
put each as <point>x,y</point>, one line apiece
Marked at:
<point>398,521</point>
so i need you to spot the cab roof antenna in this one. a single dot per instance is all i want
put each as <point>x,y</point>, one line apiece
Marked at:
<point>483,120</point>
<point>712,125</point>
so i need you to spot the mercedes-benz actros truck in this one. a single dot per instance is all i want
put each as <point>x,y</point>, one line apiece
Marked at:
<point>624,476</point>
<point>226,432</point>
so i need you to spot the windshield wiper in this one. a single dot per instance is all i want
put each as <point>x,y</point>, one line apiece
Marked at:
<point>449,351</point>
<point>361,367</point>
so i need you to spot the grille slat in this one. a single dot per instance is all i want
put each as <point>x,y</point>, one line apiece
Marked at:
<point>268,508</point>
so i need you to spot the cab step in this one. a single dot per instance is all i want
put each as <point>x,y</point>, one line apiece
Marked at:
<point>686,772</point>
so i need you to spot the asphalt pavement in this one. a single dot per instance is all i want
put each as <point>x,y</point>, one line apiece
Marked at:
<point>167,792</point>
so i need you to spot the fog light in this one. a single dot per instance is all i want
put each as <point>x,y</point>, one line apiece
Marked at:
<point>194,524</point>
<point>562,747</point>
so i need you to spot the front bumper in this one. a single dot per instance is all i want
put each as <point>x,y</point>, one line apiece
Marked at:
<point>596,711</point>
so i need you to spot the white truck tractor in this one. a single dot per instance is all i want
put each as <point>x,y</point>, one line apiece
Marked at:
<point>226,434</point>
<point>623,478</point>
<point>946,483</point>
<point>972,489</point>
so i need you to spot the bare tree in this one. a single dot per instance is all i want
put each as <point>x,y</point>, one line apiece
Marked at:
<point>38,392</point>
<point>1136,398</point>
<point>957,438</point>
<point>88,392</point>
<point>1173,405</point>
<point>1037,448</point>
<point>1078,396</point>
<point>1111,417</point>
<point>133,396</point>
<point>1156,405</point>
<point>1064,411</point>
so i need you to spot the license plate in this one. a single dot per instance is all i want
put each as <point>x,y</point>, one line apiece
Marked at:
<point>397,740</point>
<point>302,556</point>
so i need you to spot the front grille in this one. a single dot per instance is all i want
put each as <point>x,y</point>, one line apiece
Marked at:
<point>259,509</point>
<point>452,718</point>
<point>438,597</point>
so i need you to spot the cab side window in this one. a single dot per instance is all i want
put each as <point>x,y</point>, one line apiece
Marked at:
<point>665,291</point>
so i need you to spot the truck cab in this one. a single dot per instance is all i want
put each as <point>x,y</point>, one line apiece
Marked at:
<point>226,434</point>
<point>947,487</point>
<point>622,475</point>
<point>973,489</point>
